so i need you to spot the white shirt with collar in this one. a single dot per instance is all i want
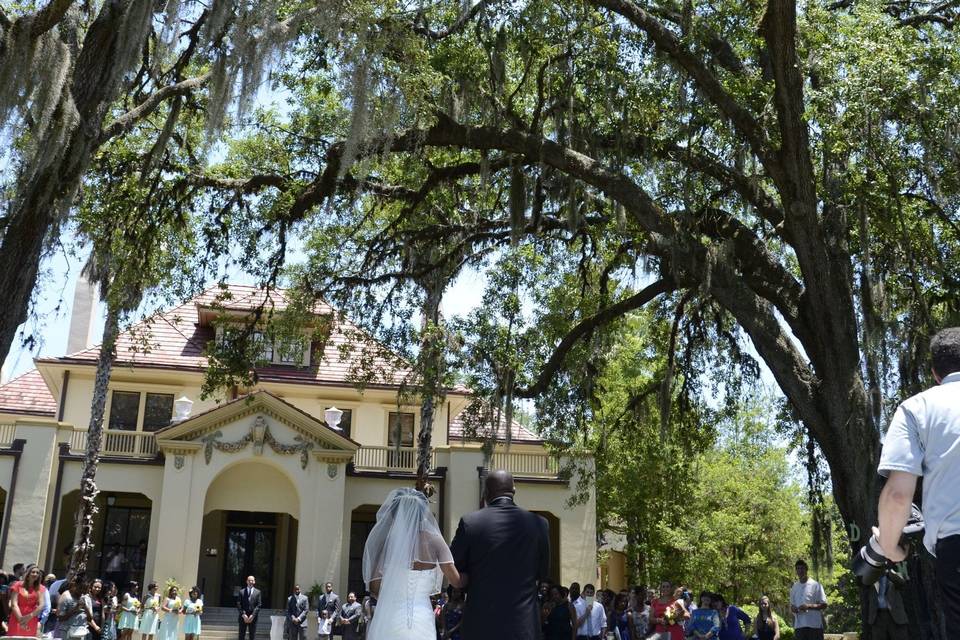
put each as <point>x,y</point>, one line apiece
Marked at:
<point>924,440</point>
<point>595,624</point>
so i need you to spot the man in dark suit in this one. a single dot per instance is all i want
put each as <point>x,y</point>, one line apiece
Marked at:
<point>501,552</point>
<point>248,604</point>
<point>885,612</point>
<point>297,608</point>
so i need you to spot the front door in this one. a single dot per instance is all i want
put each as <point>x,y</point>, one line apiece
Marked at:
<point>249,551</point>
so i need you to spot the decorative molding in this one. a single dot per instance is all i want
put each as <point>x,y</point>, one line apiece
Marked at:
<point>332,470</point>
<point>259,434</point>
<point>178,462</point>
<point>335,456</point>
<point>175,447</point>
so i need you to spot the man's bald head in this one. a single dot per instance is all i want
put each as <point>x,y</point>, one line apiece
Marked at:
<point>498,483</point>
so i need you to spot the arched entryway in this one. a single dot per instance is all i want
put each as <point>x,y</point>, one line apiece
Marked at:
<point>121,532</point>
<point>554,523</point>
<point>362,520</point>
<point>250,527</point>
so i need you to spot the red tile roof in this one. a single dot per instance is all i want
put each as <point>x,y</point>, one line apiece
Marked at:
<point>459,431</point>
<point>27,394</point>
<point>175,339</point>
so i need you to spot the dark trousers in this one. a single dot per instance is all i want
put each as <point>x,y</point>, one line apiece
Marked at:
<point>806,633</point>
<point>248,628</point>
<point>884,628</point>
<point>948,579</point>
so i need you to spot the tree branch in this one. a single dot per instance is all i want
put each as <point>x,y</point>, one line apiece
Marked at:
<point>125,122</point>
<point>586,326</point>
<point>457,25</point>
<point>706,81</point>
<point>48,17</point>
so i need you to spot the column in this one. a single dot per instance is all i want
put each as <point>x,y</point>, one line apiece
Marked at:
<point>29,505</point>
<point>180,519</point>
<point>320,537</point>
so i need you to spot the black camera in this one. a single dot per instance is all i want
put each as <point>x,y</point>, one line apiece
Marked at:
<point>870,564</point>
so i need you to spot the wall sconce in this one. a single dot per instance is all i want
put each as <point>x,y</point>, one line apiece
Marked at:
<point>181,409</point>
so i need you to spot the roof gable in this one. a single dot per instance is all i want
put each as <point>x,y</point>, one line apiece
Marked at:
<point>208,422</point>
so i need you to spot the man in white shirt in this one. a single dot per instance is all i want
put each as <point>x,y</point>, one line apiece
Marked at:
<point>807,602</point>
<point>924,440</point>
<point>591,618</point>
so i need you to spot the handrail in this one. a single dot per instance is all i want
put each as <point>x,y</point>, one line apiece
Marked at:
<point>118,443</point>
<point>389,459</point>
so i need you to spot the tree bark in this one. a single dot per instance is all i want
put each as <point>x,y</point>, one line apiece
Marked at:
<point>431,389</point>
<point>87,508</point>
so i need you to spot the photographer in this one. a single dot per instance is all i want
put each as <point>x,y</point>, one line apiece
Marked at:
<point>924,440</point>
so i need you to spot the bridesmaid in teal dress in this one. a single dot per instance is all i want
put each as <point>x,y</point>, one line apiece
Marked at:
<point>149,618</point>
<point>129,606</point>
<point>170,616</point>
<point>192,609</point>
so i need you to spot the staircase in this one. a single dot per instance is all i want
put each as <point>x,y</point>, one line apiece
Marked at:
<point>220,623</point>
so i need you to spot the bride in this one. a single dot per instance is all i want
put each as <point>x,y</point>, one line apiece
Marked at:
<point>404,562</point>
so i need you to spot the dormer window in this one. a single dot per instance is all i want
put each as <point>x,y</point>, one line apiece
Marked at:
<point>275,351</point>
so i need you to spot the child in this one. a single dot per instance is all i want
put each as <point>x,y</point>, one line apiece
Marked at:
<point>326,625</point>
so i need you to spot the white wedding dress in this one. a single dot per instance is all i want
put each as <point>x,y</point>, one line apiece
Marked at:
<point>405,536</point>
<point>409,616</point>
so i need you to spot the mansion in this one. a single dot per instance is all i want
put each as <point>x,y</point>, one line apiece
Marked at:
<point>264,481</point>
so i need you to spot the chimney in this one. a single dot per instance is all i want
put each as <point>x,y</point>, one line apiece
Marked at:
<point>81,316</point>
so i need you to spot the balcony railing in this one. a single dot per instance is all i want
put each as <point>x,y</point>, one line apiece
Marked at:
<point>7,431</point>
<point>117,443</point>
<point>537,465</point>
<point>389,459</point>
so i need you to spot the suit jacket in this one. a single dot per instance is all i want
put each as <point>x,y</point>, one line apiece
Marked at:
<point>329,602</point>
<point>894,602</point>
<point>504,550</point>
<point>298,607</point>
<point>249,605</point>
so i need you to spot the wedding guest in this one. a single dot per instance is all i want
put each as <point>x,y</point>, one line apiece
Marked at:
<point>451,616</point>
<point>110,610</point>
<point>591,618</point>
<point>149,618</point>
<point>559,616</point>
<point>297,608</point>
<point>324,625</point>
<point>169,615</point>
<point>94,600</point>
<point>28,597</point>
<point>807,602</point>
<point>329,601</point>
<point>639,617</point>
<point>72,612</point>
<point>192,610</point>
<point>668,613</point>
<point>704,620</point>
<point>731,616</point>
<point>129,607</point>
<point>765,625</point>
<point>574,591</point>
<point>350,618</point>
<point>619,619</point>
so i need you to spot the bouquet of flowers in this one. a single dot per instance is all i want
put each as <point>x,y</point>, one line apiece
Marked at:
<point>134,604</point>
<point>673,615</point>
<point>177,604</point>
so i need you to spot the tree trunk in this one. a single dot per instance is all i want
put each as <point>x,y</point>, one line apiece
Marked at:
<point>42,202</point>
<point>86,508</point>
<point>431,370</point>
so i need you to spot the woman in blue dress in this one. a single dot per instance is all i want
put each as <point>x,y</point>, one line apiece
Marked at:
<point>170,615</point>
<point>192,610</point>
<point>451,616</point>
<point>129,607</point>
<point>149,618</point>
<point>108,629</point>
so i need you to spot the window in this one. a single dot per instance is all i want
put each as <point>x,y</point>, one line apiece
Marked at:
<point>266,349</point>
<point>157,411</point>
<point>400,429</point>
<point>290,351</point>
<point>346,421</point>
<point>124,410</point>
